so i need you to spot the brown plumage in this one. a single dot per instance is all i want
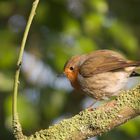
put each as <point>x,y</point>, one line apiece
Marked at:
<point>100,74</point>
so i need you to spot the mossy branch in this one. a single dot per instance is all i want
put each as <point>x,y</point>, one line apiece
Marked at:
<point>93,123</point>
<point>16,124</point>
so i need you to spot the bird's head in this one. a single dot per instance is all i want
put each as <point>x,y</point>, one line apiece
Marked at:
<point>71,69</point>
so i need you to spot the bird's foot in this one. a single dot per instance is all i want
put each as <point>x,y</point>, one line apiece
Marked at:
<point>91,107</point>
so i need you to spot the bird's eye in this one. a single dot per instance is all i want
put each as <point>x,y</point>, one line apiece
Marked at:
<point>71,68</point>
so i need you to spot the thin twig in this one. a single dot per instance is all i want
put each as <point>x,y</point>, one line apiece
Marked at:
<point>16,124</point>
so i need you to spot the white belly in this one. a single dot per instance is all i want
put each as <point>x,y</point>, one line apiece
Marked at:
<point>104,84</point>
<point>117,82</point>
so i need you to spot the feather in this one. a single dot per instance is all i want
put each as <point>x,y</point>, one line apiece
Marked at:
<point>104,61</point>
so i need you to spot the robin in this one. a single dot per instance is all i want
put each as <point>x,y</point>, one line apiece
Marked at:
<point>100,74</point>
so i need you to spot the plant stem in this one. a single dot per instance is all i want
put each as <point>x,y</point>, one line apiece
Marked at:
<point>16,125</point>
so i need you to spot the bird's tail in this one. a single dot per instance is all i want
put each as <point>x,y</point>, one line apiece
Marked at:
<point>134,63</point>
<point>134,73</point>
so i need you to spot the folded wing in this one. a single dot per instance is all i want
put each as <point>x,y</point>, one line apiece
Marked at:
<point>104,62</point>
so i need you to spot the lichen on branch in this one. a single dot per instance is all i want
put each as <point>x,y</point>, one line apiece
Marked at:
<point>92,123</point>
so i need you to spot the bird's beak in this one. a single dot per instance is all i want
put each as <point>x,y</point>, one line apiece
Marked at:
<point>61,75</point>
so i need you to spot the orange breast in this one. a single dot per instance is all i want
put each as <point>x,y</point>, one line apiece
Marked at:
<point>72,76</point>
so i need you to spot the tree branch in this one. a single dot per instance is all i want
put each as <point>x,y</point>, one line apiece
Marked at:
<point>16,124</point>
<point>93,123</point>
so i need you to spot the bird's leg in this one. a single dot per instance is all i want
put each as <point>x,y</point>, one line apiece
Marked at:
<point>90,107</point>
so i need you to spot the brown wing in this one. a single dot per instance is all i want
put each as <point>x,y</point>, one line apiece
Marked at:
<point>104,63</point>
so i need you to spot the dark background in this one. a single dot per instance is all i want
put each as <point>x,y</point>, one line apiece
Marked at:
<point>61,28</point>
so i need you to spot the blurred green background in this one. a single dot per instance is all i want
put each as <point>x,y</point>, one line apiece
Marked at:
<point>61,28</point>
